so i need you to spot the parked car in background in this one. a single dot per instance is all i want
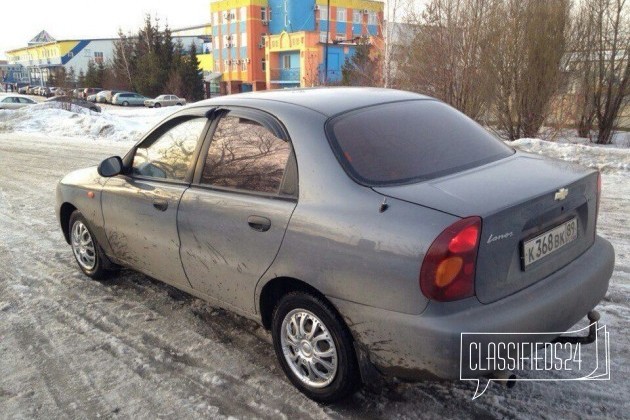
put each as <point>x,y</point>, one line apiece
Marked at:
<point>89,91</point>
<point>406,225</point>
<point>32,89</point>
<point>45,91</point>
<point>92,98</point>
<point>164,100</point>
<point>128,99</point>
<point>76,101</point>
<point>23,90</point>
<point>105,96</point>
<point>15,101</point>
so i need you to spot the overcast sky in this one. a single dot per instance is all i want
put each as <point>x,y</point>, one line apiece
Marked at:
<point>21,20</point>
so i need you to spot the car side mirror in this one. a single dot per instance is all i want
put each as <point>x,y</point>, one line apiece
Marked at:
<point>110,167</point>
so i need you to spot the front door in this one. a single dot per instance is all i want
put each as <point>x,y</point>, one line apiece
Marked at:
<point>140,209</point>
<point>233,218</point>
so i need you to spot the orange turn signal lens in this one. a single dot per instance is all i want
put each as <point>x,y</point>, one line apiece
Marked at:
<point>448,270</point>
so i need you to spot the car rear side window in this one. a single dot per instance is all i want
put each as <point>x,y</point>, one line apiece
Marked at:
<point>170,155</point>
<point>410,141</point>
<point>246,155</point>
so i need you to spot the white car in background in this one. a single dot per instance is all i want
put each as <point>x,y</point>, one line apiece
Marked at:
<point>164,100</point>
<point>15,101</point>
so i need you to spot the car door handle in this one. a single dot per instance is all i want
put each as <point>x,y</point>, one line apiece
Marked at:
<point>160,204</point>
<point>258,223</point>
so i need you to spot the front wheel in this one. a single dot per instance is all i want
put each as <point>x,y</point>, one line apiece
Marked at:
<point>88,253</point>
<point>125,103</point>
<point>314,348</point>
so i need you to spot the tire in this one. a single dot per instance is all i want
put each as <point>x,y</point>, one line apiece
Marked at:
<point>321,383</point>
<point>158,105</point>
<point>92,261</point>
<point>125,103</point>
<point>179,104</point>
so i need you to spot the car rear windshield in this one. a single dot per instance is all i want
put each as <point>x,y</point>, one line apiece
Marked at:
<point>411,141</point>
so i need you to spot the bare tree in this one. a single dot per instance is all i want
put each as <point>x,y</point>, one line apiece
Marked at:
<point>447,56</point>
<point>526,52</point>
<point>601,60</point>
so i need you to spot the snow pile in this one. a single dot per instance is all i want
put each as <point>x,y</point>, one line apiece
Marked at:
<point>50,119</point>
<point>605,158</point>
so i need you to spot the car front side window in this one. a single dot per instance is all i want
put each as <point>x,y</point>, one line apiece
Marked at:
<point>246,155</point>
<point>170,156</point>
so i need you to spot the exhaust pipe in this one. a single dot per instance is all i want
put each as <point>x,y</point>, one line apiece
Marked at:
<point>504,377</point>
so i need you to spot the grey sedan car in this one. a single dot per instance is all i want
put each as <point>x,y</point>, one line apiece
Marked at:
<point>15,101</point>
<point>366,228</point>
<point>165,100</point>
<point>128,99</point>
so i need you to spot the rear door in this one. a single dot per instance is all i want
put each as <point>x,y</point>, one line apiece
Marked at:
<point>140,208</point>
<point>233,218</point>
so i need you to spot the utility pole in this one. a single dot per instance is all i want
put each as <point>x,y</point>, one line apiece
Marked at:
<point>327,41</point>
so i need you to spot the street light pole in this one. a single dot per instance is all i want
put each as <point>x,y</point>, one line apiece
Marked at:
<point>327,41</point>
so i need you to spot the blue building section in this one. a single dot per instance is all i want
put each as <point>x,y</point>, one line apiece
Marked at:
<point>336,59</point>
<point>291,16</point>
<point>341,27</point>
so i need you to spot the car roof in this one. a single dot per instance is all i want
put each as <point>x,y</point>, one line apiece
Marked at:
<point>325,100</point>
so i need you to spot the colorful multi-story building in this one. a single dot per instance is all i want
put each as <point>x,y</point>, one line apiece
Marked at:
<point>43,55</point>
<point>266,44</point>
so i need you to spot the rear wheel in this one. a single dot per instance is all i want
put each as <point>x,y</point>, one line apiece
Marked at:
<point>314,347</point>
<point>125,103</point>
<point>87,252</point>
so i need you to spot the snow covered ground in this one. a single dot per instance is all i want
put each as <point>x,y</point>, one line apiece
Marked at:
<point>114,123</point>
<point>134,347</point>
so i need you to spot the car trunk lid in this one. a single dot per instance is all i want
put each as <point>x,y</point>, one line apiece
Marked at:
<point>516,199</point>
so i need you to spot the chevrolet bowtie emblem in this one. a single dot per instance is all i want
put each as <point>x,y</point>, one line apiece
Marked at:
<point>561,194</point>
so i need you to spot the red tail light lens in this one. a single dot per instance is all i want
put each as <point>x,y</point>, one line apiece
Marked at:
<point>448,268</point>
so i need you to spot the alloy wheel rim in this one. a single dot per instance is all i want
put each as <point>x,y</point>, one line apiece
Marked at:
<point>83,246</point>
<point>308,348</point>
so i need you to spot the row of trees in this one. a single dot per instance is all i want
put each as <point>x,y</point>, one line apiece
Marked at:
<point>512,64</point>
<point>149,63</point>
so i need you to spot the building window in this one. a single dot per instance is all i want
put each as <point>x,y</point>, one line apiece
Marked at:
<point>98,57</point>
<point>243,13</point>
<point>244,39</point>
<point>286,62</point>
<point>341,14</point>
<point>340,37</point>
<point>323,12</point>
<point>323,37</point>
<point>263,14</point>
<point>215,18</point>
<point>263,64</point>
<point>372,18</point>
<point>357,16</point>
<point>243,65</point>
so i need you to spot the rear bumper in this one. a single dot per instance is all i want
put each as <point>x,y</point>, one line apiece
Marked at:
<point>428,345</point>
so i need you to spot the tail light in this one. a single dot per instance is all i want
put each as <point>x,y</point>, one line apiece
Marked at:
<point>448,268</point>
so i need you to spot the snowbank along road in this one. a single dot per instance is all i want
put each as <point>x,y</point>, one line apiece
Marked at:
<point>131,347</point>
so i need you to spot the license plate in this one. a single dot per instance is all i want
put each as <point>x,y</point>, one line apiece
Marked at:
<point>549,242</point>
